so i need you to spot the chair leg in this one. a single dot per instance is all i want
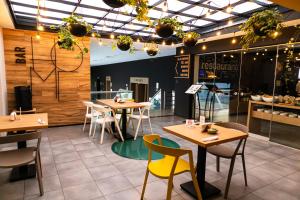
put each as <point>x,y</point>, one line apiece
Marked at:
<point>150,125</point>
<point>142,126</point>
<point>145,183</point>
<point>91,127</point>
<point>40,162</point>
<point>84,124</point>
<point>244,169</point>
<point>95,127</point>
<point>218,164</point>
<point>137,128</point>
<point>196,185</point>
<point>170,188</point>
<point>229,177</point>
<point>102,133</point>
<point>119,131</point>
<point>39,176</point>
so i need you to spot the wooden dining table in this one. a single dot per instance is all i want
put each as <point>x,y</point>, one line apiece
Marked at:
<point>194,135</point>
<point>123,106</point>
<point>20,125</point>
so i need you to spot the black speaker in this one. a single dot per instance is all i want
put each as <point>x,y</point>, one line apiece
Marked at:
<point>23,97</point>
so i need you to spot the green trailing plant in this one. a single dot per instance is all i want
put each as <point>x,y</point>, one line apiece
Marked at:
<point>267,23</point>
<point>141,8</point>
<point>77,19</point>
<point>191,35</point>
<point>174,23</point>
<point>124,42</point>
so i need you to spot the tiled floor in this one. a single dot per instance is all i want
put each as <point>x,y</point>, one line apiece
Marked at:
<point>76,167</point>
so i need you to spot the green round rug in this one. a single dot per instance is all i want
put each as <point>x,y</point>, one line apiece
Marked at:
<point>135,149</point>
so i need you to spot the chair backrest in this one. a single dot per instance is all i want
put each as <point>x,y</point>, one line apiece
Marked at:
<point>149,139</point>
<point>239,127</point>
<point>22,137</point>
<point>102,110</point>
<point>88,105</point>
<point>147,106</point>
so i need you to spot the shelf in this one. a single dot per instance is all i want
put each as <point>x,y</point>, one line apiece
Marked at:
<point>280,105</point>
<point>276,118</point>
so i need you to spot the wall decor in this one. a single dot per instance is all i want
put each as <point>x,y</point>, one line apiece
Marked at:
<point>20,55</point>
<point>182,67</point>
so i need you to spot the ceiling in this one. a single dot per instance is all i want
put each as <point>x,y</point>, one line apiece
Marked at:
<point>192,13</point>
<point>104,55</point>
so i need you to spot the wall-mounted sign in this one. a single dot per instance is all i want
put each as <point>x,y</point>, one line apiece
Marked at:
<point>182,68</point>
<point>139,80</point>
<point>20,55</point>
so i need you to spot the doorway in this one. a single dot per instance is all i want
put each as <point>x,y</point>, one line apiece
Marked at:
<point>140,88</point>
<point>108,87</point>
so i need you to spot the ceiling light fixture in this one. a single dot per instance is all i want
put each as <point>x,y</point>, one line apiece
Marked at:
<point>165,6</point>
<point>229,8</point>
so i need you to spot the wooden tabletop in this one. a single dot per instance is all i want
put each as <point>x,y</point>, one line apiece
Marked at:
<point>193,134</point>
<point>114,105</point>
<point>26,122</point>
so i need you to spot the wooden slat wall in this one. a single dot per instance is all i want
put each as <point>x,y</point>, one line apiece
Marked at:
<point>74,87</point>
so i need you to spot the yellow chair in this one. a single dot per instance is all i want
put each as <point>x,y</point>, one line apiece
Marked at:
<point>168,166</point>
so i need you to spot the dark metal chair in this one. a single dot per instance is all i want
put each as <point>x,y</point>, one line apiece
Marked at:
<point>227,152</point>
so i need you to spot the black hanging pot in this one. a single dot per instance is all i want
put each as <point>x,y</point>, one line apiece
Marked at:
<point>151,52</point>
<point>164,30</point>
<point>257,30</point>
<point>190,42</point>
<point>123,46</point>
<point>78,30</point>
<point>114,3</point>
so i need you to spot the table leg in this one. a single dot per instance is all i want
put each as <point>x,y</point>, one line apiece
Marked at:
<point>124,125</point>
<point>207,190</point>
<point>23,172</point>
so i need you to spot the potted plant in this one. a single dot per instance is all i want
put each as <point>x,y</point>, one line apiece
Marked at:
<point>190,39</point>
<point>77,26</point>
<point>262,24</point>
<point>166,26</point>
<point>124,42</point>
<point>114,3</point>
<point>151,49</point>
<point>141,7</point>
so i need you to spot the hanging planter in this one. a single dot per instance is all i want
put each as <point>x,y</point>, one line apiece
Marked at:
<point>124,43</point>
<point>260,25</point>
<point>114,3</point>
<point>166,26</point>
<point>190,39</point>
<point>152,52</point>
<point>77,26</point>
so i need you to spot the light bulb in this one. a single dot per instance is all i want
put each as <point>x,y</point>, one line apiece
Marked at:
<point>172,44</point>
<point>163,43</point>
<point>100,42</point>
<point>208,13</point>
<point>138,40</point>
<point>266,49</point>
<point>224,55</point>
<point>39,17</point>
<point>145,48</point>
<point>204,47</point>
<point>229,9</point>
<point>189,35</point>
<point>233,41</point>
<point>38,36</point>
<point>181,51</point>
<point>153,34</point>
<point>130,25</point>
<point>275,34</point>
<point>257,53</point>
<point>93,34</point>
<point>254,58</point>
<point>165,6</point>
<point>112,36</point>
<point>40,28</point>
<point>230,22</point>
<point>218,33</point>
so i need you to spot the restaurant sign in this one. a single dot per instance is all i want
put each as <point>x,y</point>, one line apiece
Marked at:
<point>182,67</point>
<point>20,55</point>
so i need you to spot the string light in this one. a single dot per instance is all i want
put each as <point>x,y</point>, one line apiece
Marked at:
<point>233,41</point>
<point>112,36</point>
<point>40,28</point>
<point>39,17</point>
<point>224,55</point>
<point>204,47</point>
<point>145,48</point>
<point>138,40</point>
<point>165,6</point>
<point>254,58</point>
<point>172,44</point>
<point>130,25</point>
<point>181,51</point>
<point>232,56</point>
<point>207,13</point>
<point>38,36</point>
<point>244,52</point>
<point>153,34</point>
<point>93,34</point>
<point>100,42</point>
<point>164,43</point>
<point>218,33</point>
<point>257,53</point>
<point>275,34</point>
<point>230,22</point>
<point>229,8</point>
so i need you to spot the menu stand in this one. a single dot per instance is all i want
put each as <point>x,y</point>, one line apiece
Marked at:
<point>194,90</point>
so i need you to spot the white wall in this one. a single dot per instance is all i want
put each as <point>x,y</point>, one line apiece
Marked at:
<point>3,89</point>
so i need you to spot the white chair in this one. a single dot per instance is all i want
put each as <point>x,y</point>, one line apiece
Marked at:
<point>104,117</point>
<point>88,114</point>
<point>142,116</point>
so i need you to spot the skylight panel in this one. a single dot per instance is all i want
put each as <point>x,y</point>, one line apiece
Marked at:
<point>265,2</point>
<point>220,3</point>
<point>155,13</point>
<point>187,28</point>
<point>109,23</point>
<point>24,15</point>
<point>118,17</point>
<point>183,18</point>
<point>90,20</point>
<point>219,16</point>
<point>133,27</point>
<point>50,21</point>
<point>123,31</point>
<point>174,6</point>
<point>24,9</point>
<point>197,11</point>
<point>152,2</point>
<point>139,22</point>
<point>200,22</point>
<point>93,12</point>
<point>58,6</point>
<point>98,3</point>
<point>245,7</point>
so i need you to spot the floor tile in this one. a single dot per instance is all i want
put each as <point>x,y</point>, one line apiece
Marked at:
<point>114,184</point>
<point>104,171</point>
<point>70,178</point>
<point>79,192</point>
<point>131,194</point>
<point>66,157</point>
